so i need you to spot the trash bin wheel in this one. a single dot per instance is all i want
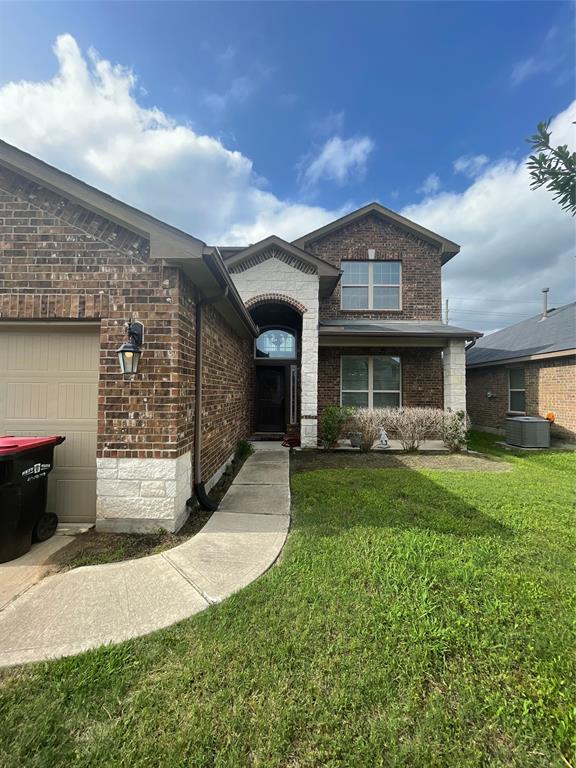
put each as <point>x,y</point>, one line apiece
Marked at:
<point>45,527</point>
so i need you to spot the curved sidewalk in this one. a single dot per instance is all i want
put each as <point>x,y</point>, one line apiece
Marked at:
<point>94,605</point>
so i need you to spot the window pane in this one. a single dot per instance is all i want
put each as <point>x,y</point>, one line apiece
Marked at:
<point>354,273</point>
<point>355,298</point>
<point>386,298</point>
<point>386,373</point>
<point>516,378</point>
<point>518,401</point>
<point>276,343</point>
<point>358,399</point>
<point>387,272</point>
<point>386,399</point>
<point>354,373</point>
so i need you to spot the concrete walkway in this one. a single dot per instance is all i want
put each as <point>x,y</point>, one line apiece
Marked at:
<point>94,605</point>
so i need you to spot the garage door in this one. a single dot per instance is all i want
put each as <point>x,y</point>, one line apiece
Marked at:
<point>49,386</point>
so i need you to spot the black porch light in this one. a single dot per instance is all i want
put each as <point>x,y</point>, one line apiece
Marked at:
<point>129,353</point>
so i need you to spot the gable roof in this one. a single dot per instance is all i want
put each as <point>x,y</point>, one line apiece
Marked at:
<point>167,243</point>
<point>448,249</point>
<point>327,273</point>
<point>535,337</point>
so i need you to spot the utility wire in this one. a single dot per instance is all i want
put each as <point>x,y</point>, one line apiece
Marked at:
<point>499,301</point>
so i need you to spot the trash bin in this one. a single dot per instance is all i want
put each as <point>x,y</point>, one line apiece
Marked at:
<point>25,463</point>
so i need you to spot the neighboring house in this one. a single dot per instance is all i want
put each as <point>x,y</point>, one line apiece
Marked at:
<point>526,369</point>
<point>349,313</point>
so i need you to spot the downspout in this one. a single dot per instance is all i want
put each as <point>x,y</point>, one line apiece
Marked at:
<point>199,489</point>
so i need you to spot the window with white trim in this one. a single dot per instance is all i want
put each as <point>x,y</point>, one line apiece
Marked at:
<point>370,381</point>
<point>516,390</point>
<point>371,284</point>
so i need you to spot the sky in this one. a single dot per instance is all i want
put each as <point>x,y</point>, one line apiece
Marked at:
<point>234,121</point>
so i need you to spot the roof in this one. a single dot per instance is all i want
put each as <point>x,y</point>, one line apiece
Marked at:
<point>413,328</point>
<point>167,243</point>
<point>535,337</point>
<point>448,249</point>
<point>328,274</point>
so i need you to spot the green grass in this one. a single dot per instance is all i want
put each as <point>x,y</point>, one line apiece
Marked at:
<point>415,619</point>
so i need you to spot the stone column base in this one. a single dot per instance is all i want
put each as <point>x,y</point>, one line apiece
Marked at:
<point>142,495</point>
<point>308,432</point>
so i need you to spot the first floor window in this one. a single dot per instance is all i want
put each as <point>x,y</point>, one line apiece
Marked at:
<point>370,381</point>
<point>516,390</point>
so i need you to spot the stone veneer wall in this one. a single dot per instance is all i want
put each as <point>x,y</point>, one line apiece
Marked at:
<point>421,374</point>
<point>60,261</point>
<point>421,265</point>
<point>550,386</point>
<point>454,362</point>
<point>276,276</point>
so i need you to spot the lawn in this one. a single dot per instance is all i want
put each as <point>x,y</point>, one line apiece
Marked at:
<point>416,618</point>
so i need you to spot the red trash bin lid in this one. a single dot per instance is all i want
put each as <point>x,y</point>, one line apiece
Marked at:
<point>19,444</point>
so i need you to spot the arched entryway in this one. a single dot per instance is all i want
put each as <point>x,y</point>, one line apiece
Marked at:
<point>277,356</point>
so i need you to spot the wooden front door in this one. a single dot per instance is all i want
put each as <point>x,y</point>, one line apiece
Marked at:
<point>271,398</point>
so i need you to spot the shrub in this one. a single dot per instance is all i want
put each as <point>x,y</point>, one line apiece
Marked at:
<point>455,430</point>
<point>332,420</point>
<point>243,450</point>
<point>412,425</point>
<point>368,421</point>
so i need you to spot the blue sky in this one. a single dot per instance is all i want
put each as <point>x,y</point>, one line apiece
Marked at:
<point>282,115</point>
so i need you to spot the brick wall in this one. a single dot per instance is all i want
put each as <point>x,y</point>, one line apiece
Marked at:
<point>228,391</point>
<point>550,386</point>
<point>61,261</point>
<point>421,264</point>
<point>422,376</point>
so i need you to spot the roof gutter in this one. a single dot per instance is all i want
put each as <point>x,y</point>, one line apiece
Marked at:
<point>213,260</point>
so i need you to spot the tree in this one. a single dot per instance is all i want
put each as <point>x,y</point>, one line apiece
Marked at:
<point>553,168</point>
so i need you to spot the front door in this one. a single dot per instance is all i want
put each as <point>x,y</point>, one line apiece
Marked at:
<point>270,398</point>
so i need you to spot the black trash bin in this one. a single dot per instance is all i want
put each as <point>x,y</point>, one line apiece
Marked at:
<point>25,463</point>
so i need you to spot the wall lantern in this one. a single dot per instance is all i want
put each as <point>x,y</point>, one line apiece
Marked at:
<point>129,353</point>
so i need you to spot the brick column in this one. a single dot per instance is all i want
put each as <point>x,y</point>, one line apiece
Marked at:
<point>454,361</point>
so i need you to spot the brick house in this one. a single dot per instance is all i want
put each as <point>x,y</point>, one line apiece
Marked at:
<point>526,369</point>
<point>237,341</point>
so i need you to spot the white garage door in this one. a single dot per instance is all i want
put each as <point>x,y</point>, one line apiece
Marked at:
<point>49,386</point>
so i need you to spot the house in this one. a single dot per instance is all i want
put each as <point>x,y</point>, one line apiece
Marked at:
<point>526,369</point>
<point>237,340</point>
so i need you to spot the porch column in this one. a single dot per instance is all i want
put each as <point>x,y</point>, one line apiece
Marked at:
<point>309,379</point>
<point>454,360</point>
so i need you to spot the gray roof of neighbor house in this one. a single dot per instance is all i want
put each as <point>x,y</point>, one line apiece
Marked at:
<point>536,337</point>
<point>201,263</point>
<point>416,328</point>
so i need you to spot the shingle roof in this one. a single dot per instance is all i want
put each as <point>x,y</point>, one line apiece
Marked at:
<point>395,328</point>
<point>535,336</point>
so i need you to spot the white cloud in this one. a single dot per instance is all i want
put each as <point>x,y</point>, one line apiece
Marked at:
<point>554,54</point>
<point>431,184</point>
<point>339,160</point>
<point>240,91</point>
<point>87,121</point>
<point>331,123</point>
<point>470,165</point>
<point>515,241</point>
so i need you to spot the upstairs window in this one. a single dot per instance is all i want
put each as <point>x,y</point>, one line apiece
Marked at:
<point>371,284</point>
<point>516,391</point>
<point>276,343</point>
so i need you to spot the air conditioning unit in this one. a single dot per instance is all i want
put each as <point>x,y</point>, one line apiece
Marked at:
<point>528,432</point>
